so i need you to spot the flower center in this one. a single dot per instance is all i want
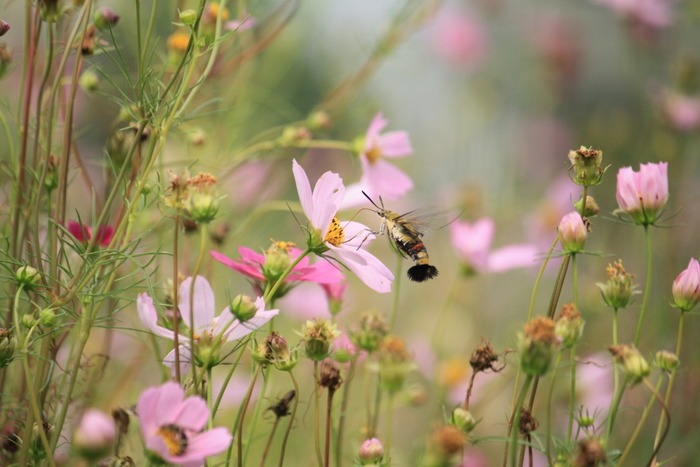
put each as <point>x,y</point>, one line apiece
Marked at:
<point>373,154</point>
<point>334,236</point>
<point>175,439</point>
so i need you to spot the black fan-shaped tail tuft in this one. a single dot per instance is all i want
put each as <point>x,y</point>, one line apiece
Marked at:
<point>422,272</point>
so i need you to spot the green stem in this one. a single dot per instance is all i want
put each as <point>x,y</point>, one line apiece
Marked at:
<point>237,429</point>
<point>266,451</point>
<point>317,416</point>
<point>329,418</point>
<point>176,296</point>
<point>229,375</point>
<point>548,435</point>
<point>389,424</point>
<point>647,287</point>
<point>671,380</point>
<point>614,405</point>
<point>210,398</point>
<point>343,411</point>
<point>515,422</point>
<point>195,272</point>
<point>640,423</point>
<point>291,420</point>
<point>616,371</point>
<point>271,293</point>
<point>572,395</point>
<point>257,414</point>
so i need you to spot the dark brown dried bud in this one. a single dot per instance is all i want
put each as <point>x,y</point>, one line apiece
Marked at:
<point>89,41</point>
<point>483,358</point>
<point>219,233</point>
<point>528,423</point>
<point>121,419</point>
<point>330,376</point>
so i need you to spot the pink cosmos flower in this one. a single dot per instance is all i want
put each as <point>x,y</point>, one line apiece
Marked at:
<point>379,177</point>
<point>343,240</point>
<point>83,233</point>
<point>94,435</point>
<point>686,287</point>
<point>473,245</point>
<point>241,24</point>
<point>252,264</point>
<point>460,38</point>
<point>171,426</point>
<point>682,111</point>
<point>643,194</point>
<point>651,13</point>
<point>207,327</point>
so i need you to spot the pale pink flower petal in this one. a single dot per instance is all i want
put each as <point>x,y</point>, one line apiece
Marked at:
<point>149,316</point>
<point>395,144</point>
<point>367,267</point>
<point>190,414</point>
<point>203,301</point>
<point>386,180</point>
<point>377,124</point>
<point>511,257</point>
<point>473,241</point>
<point>262,316</point>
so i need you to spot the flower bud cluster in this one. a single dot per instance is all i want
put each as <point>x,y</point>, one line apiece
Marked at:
<point>618,290</point>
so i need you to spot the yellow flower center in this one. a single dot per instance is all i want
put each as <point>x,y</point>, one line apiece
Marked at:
<point>334,236</point>
<point>373,154</point>
<point>175,439</point>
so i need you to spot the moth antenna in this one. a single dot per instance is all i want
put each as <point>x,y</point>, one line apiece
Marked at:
<point>373,203</point>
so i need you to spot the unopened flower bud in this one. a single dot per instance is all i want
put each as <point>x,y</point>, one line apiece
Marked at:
<point>89,81</point>
<point>590,209</point>
<point>371,452</point>
<point>586,420</point>
<point>7,347</point>
<point>319,120</point>
<point>188,17</point>
<point>569,326</point>
<point>463,419</point>
<point>277,260</point>
<point>106,18</point>
<point>633,364</point>
<point>203,204</point>
<point>28,320</point>
<point>587,166</point>
<point>197,137</point>
<point>537,343</point>
<point>317,336</point>
<point>445,442</point>
<point>27,277</point>
<point>373,329</point>
<point>94,436</point>
<point>293,135</point>
<point>395,363</point>
<point>686,287</point>
<point>4,27</point>
<point>572,233</point>
<point>243,307</point>
<point>591,452</point>
<point>47,317</point>
<point>666,361</point>
<point>618,290</point>
<point>274,351</point>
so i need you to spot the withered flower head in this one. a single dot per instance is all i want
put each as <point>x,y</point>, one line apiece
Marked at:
<point>483,358</point>
<point>329,376</point>
<point>591,453</point>
<point>528,423</point>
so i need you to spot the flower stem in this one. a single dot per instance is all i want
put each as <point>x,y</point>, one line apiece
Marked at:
<point>291,419</point>
<point>271,293</point>
<point>667,399</point>
<point>647,287</point>
<point>548,435</point>
<point>515,422</point>
<point>640,423</point>
<point>176,297</point>
<point>572,394</point>
<point>343,411</point>
<point>329,418</point>
<point>240,418</point>
<point>269,441</point>
<point>317,416</point>
<point>614,405</point>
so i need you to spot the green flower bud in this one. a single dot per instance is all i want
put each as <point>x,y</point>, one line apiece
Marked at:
<point>106,18</point>
<point>7,347</point>
<point>188,17</point>
<point>89,81</point>
<point>537,344</point>
<point>47,317</point>
<point>373,329</point>
<point>243,307</point>
<point>395,363</point>
<point>569,326</point>
<point>27,277</point>
<point>463,419</point>
<point>590,209</point>
<point>666,361</point>
<point>319,120</point>
<point>587,166</point>
<point>633,364</point>
<point>618,290</point>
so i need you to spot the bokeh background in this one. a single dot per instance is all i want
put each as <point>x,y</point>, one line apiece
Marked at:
<point>493,93</point>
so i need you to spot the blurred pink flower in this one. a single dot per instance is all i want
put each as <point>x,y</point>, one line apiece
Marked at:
<point>379,177</point>
<point>241,24</point>
<point>686,287</point>
<point>83,233</point>
<point>94,435</point>
<point>171,426</point>
<point>252,264</point>
<point>681,111</point>
<point>342,239</point>
<point>594,384</point>
<point>473,245</point>
<point>460,38</point>
<point>558,42</point>
<point>643,194</point>
<point>206,326</point>
<point>652,13</point>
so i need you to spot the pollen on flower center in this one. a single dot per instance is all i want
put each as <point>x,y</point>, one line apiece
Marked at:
<point>334,236</point>
<point>175,439</point>
<point>373,154</point>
